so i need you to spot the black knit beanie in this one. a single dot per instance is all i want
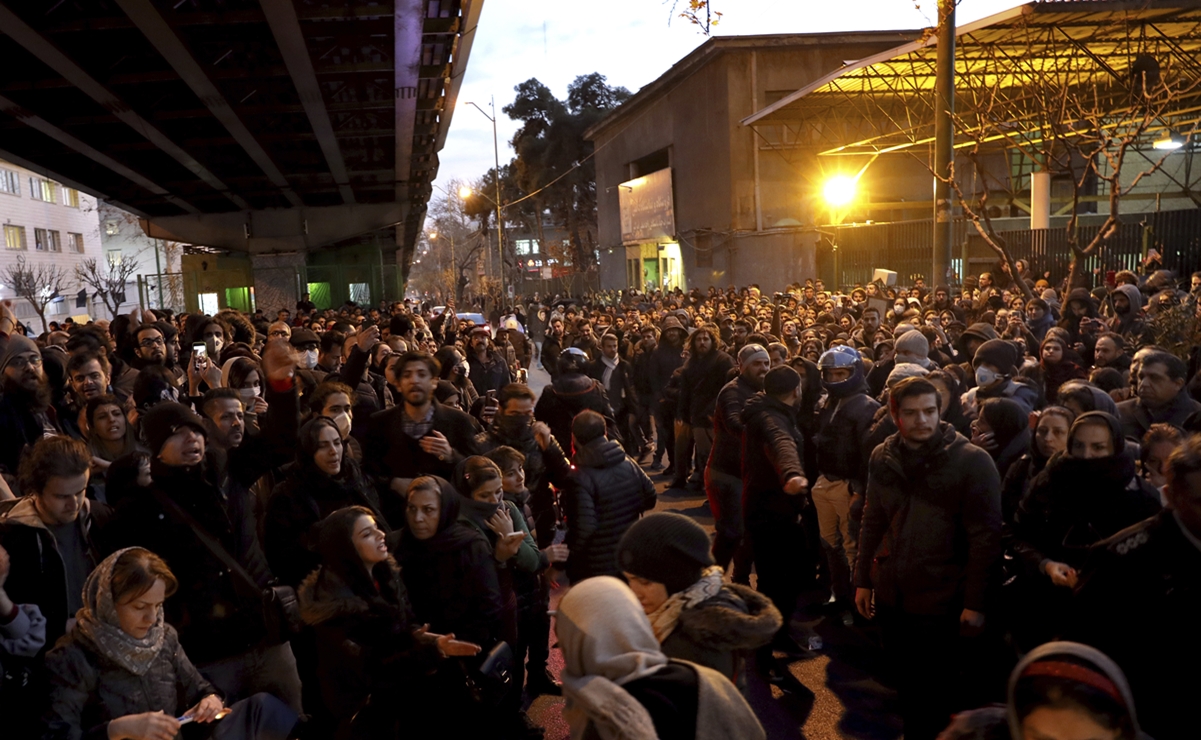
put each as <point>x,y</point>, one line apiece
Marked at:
<point>666,548</point>
<point>999,353</point>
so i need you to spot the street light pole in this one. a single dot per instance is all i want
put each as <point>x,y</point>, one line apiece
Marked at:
<point>944,141</point>
<point>500,232</point>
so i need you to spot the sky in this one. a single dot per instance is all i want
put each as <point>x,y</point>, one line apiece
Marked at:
<point>631,42</point>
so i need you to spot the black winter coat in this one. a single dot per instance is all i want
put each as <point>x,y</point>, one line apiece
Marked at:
<point>1137,418</point>
<point>366,646</point>
<point>931,535</point>
<point>217,616</point>
<point>390,453</point>
<point>770,456</point>
<point>664,360</point>
<point>490,375</point>
<point>843,426</point>
<point>88,690</point>
<point>297,506</point>
<point>606,494</point>
<point>567,396</point>
<point>701,380</point>
<point>621,392</point>
<point>727,426</point>
<point>1075,503</point>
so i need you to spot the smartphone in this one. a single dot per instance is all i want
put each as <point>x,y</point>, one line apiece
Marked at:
<point>200,351</point>
<point>491,398</point>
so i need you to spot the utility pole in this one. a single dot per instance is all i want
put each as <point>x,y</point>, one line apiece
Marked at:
<point>500,229</point>
<point>944,143</point>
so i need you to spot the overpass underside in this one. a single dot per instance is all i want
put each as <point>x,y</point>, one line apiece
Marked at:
<point>265,127</point>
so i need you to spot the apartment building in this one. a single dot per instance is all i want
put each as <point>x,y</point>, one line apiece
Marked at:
<point>47,224</point>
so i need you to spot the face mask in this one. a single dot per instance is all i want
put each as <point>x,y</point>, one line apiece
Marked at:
<point>248,394</point>
<point>986,376</point>
<point>513,426</point>
<point>342,422</point>
<point>898,310</point>
<point>310,359</point>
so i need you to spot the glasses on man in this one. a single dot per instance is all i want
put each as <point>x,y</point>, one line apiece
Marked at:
<point>21,363</point>
<point>155,342</point>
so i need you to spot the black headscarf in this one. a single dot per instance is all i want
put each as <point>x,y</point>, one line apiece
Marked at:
<point>451,535</point>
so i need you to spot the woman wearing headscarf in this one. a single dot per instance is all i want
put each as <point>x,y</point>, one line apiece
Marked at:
<point>1057,686</point>
<point>694,614</point>
<point>1087,493</point>
<point>619,685</point>
<point>1057,368</point>
<point>1050,437</point>
<point>455,371</point>
<point>375,660</point>
<point>1003,430</point>
<point>322,480</point>
<point>121,673</point>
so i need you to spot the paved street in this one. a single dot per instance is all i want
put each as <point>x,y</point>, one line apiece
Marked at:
<point>847,701</point>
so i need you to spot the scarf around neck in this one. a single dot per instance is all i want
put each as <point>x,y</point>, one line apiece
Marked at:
<point>97,626</point>
<point>667,616</point>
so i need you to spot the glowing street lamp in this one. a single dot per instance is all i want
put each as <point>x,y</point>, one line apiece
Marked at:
<point>464,192</point>
<point>839,190</point>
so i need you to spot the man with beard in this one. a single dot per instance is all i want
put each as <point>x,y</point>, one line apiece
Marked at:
<point>739,332</point>
<point>865,337</point>
<point>26,414</point>
<point>723,477</point>
<point>418,436</point>
<point>545,463</point>
<point>158,344</point>
<point>1110,351</point>
<point>552,345</point>
<point>488,370</point>
<point>87,378</point>
<point>700,381</point>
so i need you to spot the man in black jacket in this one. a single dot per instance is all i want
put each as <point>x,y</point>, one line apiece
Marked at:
<point>26,413</point>
<point>488,370</point>
<point>644,395</point>
<point>606,494</point>
<point>1162,395</point>
<point>194,510</point>
<point>843,422</point>
<point>417,437</point>
<point>930,541</point>
<point>704,374</point>
<point>666,357</point>
<point>773,484</point>
<point>723,477</point>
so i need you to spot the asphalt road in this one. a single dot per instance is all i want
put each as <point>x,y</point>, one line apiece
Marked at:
<point>846,701</point>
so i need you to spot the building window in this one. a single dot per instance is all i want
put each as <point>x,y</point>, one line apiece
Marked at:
<point>111,228</point>
<point>40,239</point>
<point>43,190</point>
<point>71,197</point>
<point>113,257</point>
<point>14,237</point>
<point>526,246</point>
<point>10,182</point>
<point>76,242</point>
<point>54,241</point>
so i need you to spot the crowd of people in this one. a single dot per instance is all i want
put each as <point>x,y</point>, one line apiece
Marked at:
<point>349,523</point>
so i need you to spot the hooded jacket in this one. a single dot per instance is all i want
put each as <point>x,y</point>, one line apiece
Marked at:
<point>714,632</point>
<point>568,395</point>
<point>1075,503</point>
<point>607,493</point>
<point>38,575</point>
<point>931,534</point>
<point>1130,323</point>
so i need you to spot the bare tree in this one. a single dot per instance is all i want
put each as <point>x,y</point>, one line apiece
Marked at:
<point>108,283</point>
<point>39,284</point>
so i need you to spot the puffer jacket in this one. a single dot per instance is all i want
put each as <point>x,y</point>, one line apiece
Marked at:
<point>88,690</point>
<point>931,535</point>
<point>714,632</point>
<point>605,495</point>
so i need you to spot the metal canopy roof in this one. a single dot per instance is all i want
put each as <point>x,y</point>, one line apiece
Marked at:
<point>1005,64</point>
<point>203,109</point>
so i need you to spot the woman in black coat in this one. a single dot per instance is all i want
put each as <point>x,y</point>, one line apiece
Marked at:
<point>323,480</point>
<point>1003,430</point>
<point>1050,437</point>
<point>448,567</point>
<point>1087,493</point>
<point>375,659</point>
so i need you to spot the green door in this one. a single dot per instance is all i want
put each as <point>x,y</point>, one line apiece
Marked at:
<point>650,272</point>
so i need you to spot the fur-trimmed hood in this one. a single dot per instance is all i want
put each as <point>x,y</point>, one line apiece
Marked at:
<point>324,596</point>
<point>737,618</point>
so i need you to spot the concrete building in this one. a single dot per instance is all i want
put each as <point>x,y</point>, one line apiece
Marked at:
<point>688,197</point>
<point>47,224</point>
<point>155,282</point>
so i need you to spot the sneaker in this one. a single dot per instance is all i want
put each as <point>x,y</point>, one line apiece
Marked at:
<point>657,465</point>
<point>542,683</point>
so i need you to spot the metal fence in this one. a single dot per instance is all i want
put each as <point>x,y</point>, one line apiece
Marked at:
<point>906,248</point>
